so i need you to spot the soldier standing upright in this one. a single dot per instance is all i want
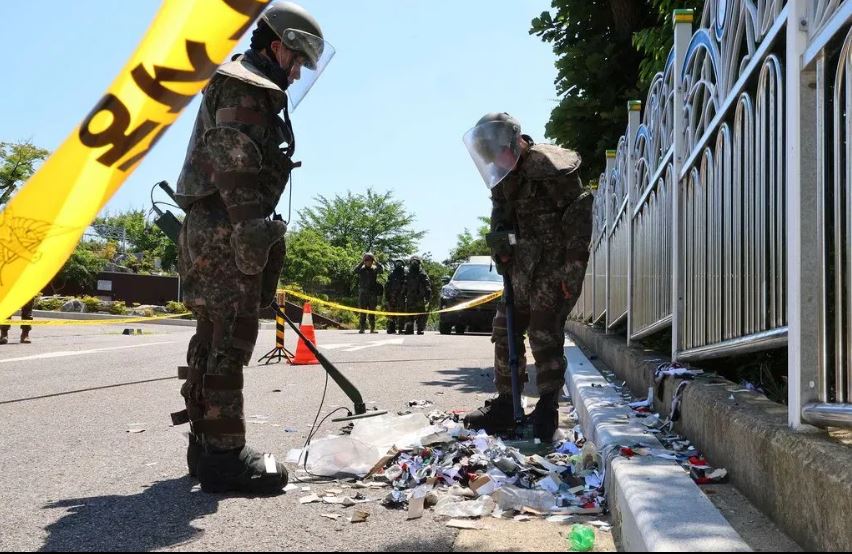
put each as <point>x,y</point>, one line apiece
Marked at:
<point>418,291</point>
<point>231,248</point>
<point>368,283</point>
<point>395,297</point>
<point>541,228</point>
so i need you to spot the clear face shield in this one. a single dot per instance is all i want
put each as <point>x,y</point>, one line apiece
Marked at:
<point>314,54</point>
<point>495,149</point>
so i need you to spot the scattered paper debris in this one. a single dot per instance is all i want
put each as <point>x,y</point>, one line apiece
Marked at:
<point>335,517</point>
<point>311,498</point>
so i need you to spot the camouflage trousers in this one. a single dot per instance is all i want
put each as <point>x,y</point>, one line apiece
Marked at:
<point>226,304</point>
<point>367,301</point>
<point>540,311</point>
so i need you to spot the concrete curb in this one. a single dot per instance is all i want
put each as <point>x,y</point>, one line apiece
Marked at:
<point>656,505</point>
<point>42,314</point>
<point>802,480</point>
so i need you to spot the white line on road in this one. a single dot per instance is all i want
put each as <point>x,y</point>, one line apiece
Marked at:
<point>374,344</point>
<point>64,354</point>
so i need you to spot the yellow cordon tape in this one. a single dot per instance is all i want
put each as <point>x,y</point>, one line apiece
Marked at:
<point>485,299</point>
<point>44,221</point>
<point>59,322</point>
<point>457,308</point>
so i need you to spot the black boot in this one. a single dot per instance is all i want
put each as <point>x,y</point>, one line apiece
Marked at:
<point>495,417</point>
<point>546,417</point>
<point>241,470</point>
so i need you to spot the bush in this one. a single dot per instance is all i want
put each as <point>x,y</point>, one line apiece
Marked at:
<point>92,304</point>
<point>50,303</point>
<point>118,308</point>
<point>176,307</point>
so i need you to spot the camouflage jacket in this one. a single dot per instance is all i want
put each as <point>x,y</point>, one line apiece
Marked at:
<point>544,201</point>
<point>368,276</point>
<point>234,149</point>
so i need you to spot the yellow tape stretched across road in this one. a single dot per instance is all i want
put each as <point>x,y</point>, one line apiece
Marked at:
<point>457,308</point>
<point>43,222</point>
<point>60,322</point>
<point>484,299</point>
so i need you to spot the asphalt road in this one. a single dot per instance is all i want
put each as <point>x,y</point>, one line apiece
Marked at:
<point>73,476</point>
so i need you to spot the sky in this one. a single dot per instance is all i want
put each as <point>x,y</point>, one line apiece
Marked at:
<point>409,78</point>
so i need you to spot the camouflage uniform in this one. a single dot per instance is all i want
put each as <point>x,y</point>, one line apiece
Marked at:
<point>395,298</point>
<point>368,291</point>
<point>544,201</point>
<point>230,252</point>
<point>418,291</point>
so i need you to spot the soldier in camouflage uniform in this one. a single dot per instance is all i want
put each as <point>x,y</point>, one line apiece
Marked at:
<point>541,228</point>
<point>368,273</point>
<point>231,249</point>
<point>395,297</point>
<point>418,291</point>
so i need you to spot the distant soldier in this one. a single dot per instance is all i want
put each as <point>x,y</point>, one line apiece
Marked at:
<point>540,232</point>
<point>26,315</point>
<point>368,286</point>
<point>418,291</point>
<point>395,297</point>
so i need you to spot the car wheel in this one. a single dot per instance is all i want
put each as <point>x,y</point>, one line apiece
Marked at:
<point>444,328</point>
<point>460,329</point>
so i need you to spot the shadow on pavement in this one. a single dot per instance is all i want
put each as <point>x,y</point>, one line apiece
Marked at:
<point>473,379</point>
<point>158,517</point>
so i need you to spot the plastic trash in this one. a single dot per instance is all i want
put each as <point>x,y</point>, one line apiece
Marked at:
<point>581,538</point>
<point>453,506</point>
<point>338,456</point>
<point>509,497</point>
<point>388,430</point>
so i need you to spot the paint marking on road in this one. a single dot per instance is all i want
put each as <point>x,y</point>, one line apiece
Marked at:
<point>66,353</point>
<point>375,344</point>
<point>334,346</point>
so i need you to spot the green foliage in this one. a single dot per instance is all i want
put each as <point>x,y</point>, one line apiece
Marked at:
<point>316,265</point>
<point>81,269</point>
<point>119,308</point>
<point>467,245</point>
<point>92,304</point>
<point>656,42</point>
<point>607,52</point>
<point>370,222</point>
<point>17,163</point>
<point>148,241</point>
<point>176,307</point>
<point>50,303</point>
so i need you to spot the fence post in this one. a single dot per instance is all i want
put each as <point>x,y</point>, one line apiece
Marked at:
<point>634,120</point>
<point>683,36</point>
<point>610,166</point>
<point>804,259</point>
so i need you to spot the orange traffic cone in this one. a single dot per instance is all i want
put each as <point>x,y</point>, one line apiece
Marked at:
<point>303,355</point>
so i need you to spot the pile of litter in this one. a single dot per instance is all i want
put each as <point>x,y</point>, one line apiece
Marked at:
<point>417,462</point>
<point>676,447</point>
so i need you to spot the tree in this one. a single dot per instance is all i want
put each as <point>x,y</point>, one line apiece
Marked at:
<point>370,222</point>
<point>146,240</point>
<point>467,245</point>
<point>17,163</point>
<point>607,52</point>
<point>315,265</point>
<point>81,269</point>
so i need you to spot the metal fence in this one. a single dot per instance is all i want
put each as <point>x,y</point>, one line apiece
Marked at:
<point>728,209</point>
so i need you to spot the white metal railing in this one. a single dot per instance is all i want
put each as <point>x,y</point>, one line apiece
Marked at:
<point>726,214</point>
